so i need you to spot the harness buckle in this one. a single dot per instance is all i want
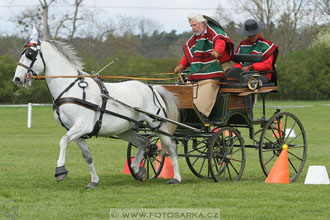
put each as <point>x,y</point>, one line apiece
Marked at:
<point>28,76</point>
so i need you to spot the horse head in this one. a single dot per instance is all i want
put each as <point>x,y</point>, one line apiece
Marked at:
<point>31,62</point>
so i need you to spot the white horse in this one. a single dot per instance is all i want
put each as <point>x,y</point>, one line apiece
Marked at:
<point>54,58</point>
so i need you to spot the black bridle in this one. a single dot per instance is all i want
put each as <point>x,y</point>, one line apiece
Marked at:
<point>32,54</point>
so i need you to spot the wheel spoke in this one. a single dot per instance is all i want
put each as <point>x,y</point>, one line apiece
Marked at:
<point>269,140</point>
<point>278,139</point>
<point>292,165</point>
<point>216,164</point>
<point>197,158</point>
<point>295,156</point>
<point>224,172</point>
<point>287,136</point>
<point>294,138</point>
<point>234,168</point>
<point>229,174</point>
<point>197,149</point>
<point>296,146</point>
<point>153,167</point>
<point>270,159</point>
<point>236,151</point>
<point>285,122</point>
<point>200,170</point>
<point>236,160</point>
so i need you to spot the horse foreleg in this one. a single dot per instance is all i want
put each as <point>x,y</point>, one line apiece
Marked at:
<point>60,171</point>
<point>89,160</point>
<point>79,129</point>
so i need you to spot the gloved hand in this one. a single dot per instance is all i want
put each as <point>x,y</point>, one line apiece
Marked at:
<point>215,54</point>
<point>179,68</point>
<point>247,68</point>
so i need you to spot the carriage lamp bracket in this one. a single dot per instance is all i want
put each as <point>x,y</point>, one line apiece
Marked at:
<point>254,83</point>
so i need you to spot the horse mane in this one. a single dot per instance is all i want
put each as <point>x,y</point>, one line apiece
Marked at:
<point>68,52</point>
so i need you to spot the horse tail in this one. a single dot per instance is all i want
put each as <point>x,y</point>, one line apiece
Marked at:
<point>172,106</point>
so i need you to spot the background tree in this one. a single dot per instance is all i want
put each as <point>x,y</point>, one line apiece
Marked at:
<point>64,25</point>
<point>261,10</point>
<point>45,8</point>
<point>323,9</point>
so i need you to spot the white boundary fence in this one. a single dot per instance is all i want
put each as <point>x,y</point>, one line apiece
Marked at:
<point>29,106</point>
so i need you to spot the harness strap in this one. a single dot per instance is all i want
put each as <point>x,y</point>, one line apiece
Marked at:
<point>155,99</point>
<point>65,90</point>
<point>60,101</point>
<point>104,94</point>
<point>92,106</point>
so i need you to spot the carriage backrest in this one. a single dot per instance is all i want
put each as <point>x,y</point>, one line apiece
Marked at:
<point>237,58</point>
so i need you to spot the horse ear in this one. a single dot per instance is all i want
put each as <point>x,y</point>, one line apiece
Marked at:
<point>34,36</point>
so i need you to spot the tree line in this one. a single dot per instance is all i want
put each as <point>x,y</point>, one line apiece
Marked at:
<point>303,68</point>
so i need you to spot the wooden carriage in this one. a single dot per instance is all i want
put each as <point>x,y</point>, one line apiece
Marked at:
<point>217,149</point>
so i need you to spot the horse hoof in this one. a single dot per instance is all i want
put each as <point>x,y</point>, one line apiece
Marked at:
<point>61,177</point>
<point>91,185</point>
<point>173,181</point>
<point>141,174</point>
<point>61,173</point>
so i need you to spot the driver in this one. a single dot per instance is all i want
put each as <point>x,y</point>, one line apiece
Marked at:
<point>208,52</point>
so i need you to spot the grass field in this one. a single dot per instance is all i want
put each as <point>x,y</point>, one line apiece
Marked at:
<point>28,189</point>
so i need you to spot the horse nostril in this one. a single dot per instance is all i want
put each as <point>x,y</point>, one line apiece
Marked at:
<point>17,79</point>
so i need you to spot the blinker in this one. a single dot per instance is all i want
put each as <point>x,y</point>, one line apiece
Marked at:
<point>31,54</point>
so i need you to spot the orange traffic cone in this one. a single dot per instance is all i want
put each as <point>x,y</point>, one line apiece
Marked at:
<point>226,132</point>
<point>126,168</point>
<point>167,171</point>
<point>280,170</point>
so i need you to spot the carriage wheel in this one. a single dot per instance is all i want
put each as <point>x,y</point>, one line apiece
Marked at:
<point>151,160</point>
<point>226,155</point>
<point>283,128</point>
<point>195,150</point>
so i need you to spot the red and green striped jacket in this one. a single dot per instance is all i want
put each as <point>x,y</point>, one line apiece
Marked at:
<point>261,46</point>
<point>197,52</point>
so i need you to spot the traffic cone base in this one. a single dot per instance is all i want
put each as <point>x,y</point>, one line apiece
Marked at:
<point>280,171</point>
<point>167,171</point>
<point>126,168</point>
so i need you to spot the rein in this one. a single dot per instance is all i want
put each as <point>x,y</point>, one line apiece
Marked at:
<point>102,77</point>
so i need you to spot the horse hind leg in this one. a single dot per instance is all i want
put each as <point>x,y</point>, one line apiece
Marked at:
<point>171,147</point>
<point>89,160</point>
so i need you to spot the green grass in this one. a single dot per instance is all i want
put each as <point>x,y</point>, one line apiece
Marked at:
<point>28,161</point>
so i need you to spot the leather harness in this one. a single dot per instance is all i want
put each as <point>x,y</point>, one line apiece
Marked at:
<point>102,109</point>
